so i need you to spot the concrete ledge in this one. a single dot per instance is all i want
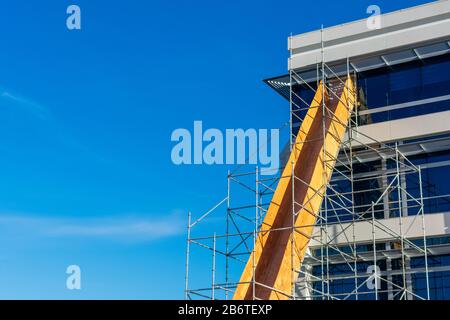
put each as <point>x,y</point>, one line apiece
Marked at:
<point>400,29</point>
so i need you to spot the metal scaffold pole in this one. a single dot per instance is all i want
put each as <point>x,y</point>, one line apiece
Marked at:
<point>213,271</point>
<point>422,213</point>
<point>186,287</point>
<point>255,232</point>
<point>351,200</point>
<point>227,243</point>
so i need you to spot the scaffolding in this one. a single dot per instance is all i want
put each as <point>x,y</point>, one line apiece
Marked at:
<point>366,231</point>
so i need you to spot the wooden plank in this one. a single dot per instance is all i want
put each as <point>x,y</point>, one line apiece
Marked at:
<point>274,257</point>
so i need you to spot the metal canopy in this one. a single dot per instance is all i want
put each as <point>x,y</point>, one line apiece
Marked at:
<point>281,83</point>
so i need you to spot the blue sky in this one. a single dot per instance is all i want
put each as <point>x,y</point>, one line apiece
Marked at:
<point>86,116</point>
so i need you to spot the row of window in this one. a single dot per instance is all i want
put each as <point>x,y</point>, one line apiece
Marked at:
<point>391,86</point>
<point>389,287</point>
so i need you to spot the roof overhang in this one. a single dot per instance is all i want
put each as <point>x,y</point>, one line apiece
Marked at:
<point>406,28</point>
<point>411,34</point>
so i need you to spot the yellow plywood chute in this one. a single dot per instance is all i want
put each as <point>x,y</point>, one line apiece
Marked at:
<point>278,251</point>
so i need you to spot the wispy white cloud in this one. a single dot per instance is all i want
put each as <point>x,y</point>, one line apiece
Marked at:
<point>49,125</point>
<point>26,104</point>
<point>122,227</point>
<point>127,228</point>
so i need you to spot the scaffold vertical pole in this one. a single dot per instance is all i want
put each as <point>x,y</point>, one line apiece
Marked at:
<point>213,268</point>
<point>422,209</point>
<point>400,214</point>
<point>293,228</point>
<point>186,287</point>
<point>227,240</point>
<point>374,252</point>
